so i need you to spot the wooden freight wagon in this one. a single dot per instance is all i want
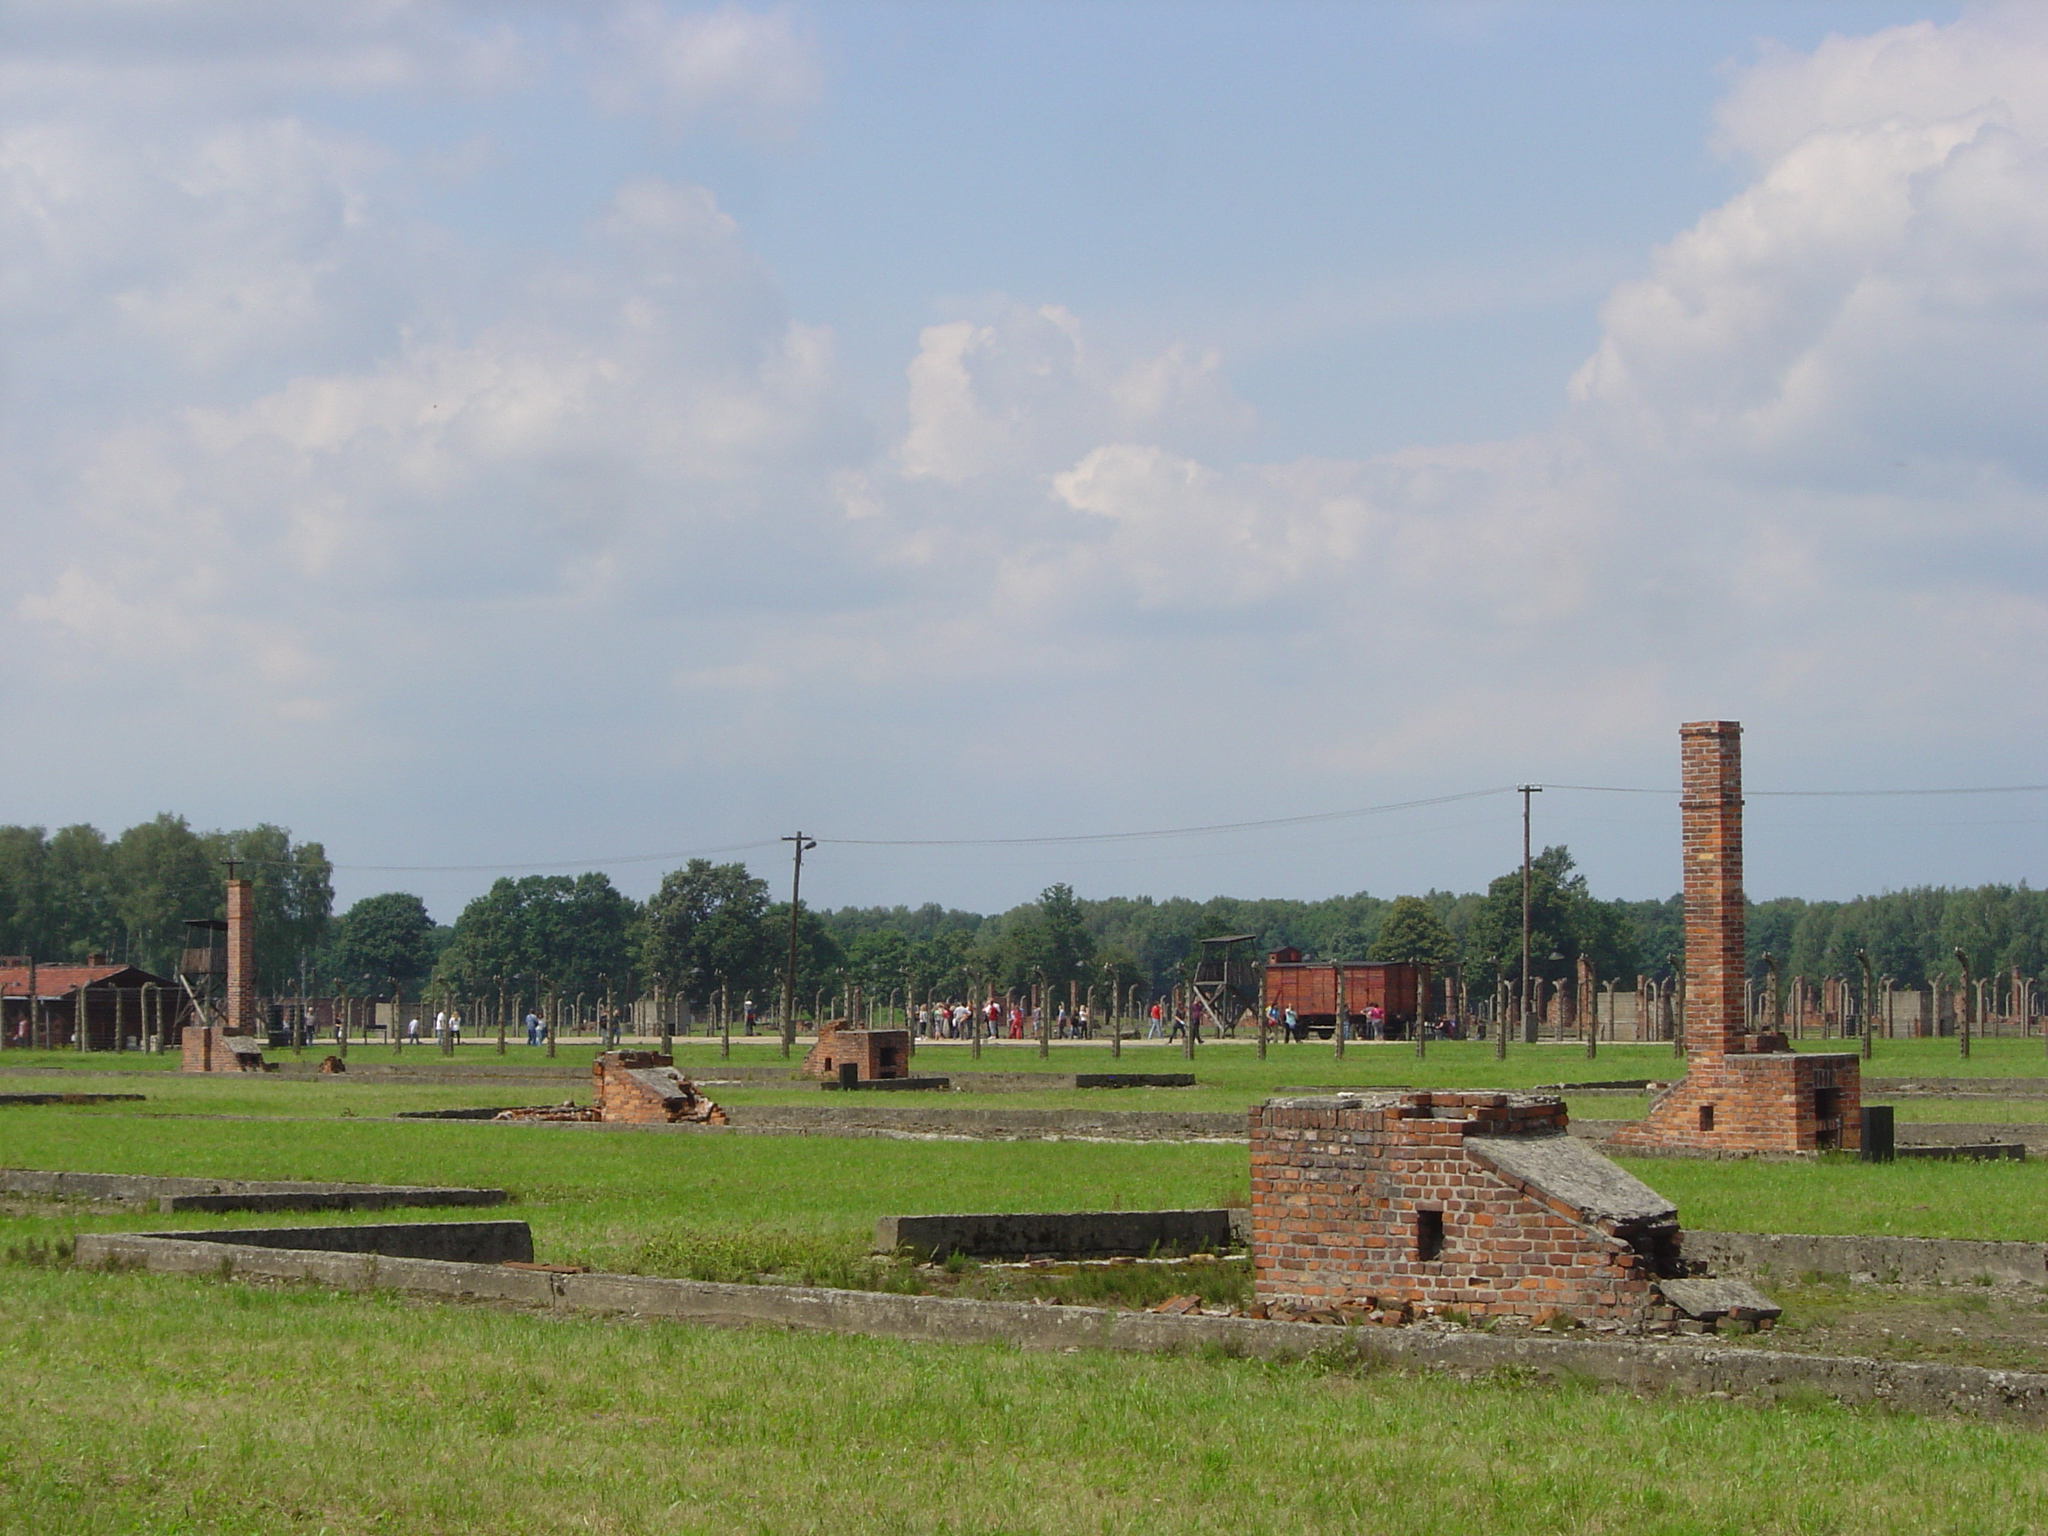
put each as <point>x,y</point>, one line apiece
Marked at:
<point>1310,987</point>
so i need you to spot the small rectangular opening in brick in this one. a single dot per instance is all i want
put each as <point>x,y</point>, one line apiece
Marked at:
<point>1827,1117</point>
<point>1706,1117</point>
<point>1429,1235</point>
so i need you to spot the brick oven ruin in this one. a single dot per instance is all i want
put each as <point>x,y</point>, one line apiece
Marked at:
<point>1478,1202</point>
<point>1742,1092</point>
<point>631,1088</point>
<point>871,1053</point>
<point>644,1087</point>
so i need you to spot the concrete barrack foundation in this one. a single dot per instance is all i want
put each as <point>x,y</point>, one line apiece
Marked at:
<point>2015,1396</point>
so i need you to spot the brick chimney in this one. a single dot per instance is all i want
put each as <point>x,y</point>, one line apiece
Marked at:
<point>1741,1092</point>
<point>1710,813</point>
<point>241,998</point>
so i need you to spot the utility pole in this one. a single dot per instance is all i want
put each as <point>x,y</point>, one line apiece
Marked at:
<point>796,885</point>
<point>1526,791</point>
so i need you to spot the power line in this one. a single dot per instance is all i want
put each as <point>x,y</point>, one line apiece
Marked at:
<point>1830,794</point>
<point>1163,832</point>
<point>485,869</point>
<point>1155,834</point>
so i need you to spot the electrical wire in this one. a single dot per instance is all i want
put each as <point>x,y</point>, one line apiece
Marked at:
<point>1784,794</point>
<point>1163,832</point>
<point>1156,834</point>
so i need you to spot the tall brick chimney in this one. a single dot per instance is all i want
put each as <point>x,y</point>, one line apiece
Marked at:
<point>1710,814</point>
<point>241,999</point>
<point>1741,1092</point>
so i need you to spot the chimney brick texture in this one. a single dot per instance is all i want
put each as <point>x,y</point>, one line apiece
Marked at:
<point>1710,811</point>
<point>241,998</point>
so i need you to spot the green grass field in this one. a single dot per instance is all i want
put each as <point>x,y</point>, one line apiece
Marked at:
<point>169,1404</point>
<point>149,1403</point>
<point>1230,1075</point>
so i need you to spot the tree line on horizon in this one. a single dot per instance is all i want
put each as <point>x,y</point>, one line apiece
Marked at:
<point>67,894</point>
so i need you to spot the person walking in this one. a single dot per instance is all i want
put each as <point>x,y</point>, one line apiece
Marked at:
<point>1291,1027</point>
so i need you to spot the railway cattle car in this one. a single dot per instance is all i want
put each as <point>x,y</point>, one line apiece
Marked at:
<point>1399,988</point>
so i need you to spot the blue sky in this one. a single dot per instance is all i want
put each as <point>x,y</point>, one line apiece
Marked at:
<point>524,435</point>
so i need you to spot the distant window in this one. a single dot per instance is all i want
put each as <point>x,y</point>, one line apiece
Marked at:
<point>1706,1117</point>
<point>1429,1235</point>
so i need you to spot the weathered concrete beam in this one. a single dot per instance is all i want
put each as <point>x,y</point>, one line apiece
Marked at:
<point>186,1194</point>
<point>457,1242</point>
<point>1074,1234</point>
<point>1900,1260</point>
<point>2016,1396</point>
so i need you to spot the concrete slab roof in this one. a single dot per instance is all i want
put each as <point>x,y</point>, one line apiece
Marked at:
<point>1567,1170</point>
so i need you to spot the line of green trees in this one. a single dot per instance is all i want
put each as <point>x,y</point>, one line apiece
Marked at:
<point>69,893</point>
<point>74,892</point>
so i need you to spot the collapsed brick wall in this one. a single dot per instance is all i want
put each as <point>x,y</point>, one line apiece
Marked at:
<point>875,1053</point>
<point>1473,1201</point>
<point>644,1088</point>
<point>1742,1092</point>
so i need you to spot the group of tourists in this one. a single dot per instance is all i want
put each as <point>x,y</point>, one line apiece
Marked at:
<point>996,1020</point>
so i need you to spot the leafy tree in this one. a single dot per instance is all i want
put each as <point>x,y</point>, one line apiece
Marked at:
<point>707,925</point>
<point>294,894</point>
<point>82,905</point>
<point>163,873</point>
<point>382,939</point>
<point>572,934</point>
<point>1565,921</point>
<point>1412,931</point>
<point>820,959</point>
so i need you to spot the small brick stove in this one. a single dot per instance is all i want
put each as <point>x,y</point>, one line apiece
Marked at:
<point>873,1053</point>
<point>1474,1201</point>
<point>1742,1092</point>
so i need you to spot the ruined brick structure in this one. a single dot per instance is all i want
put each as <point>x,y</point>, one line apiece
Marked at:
<point>231,1045</point>
<point>207,1048</point>
<point>644,1087</point>
<point>1474,1201</point>
<point>1742,1092</point>
<point>874,1053</point>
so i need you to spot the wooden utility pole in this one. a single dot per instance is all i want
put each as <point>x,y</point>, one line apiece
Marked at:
<point>796,886</point>
<point>1526,791</point>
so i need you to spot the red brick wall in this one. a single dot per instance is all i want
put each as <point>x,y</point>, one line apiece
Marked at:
<point>195,1050</point>
<point>617,1096</point>
<point>1335,1197</point>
